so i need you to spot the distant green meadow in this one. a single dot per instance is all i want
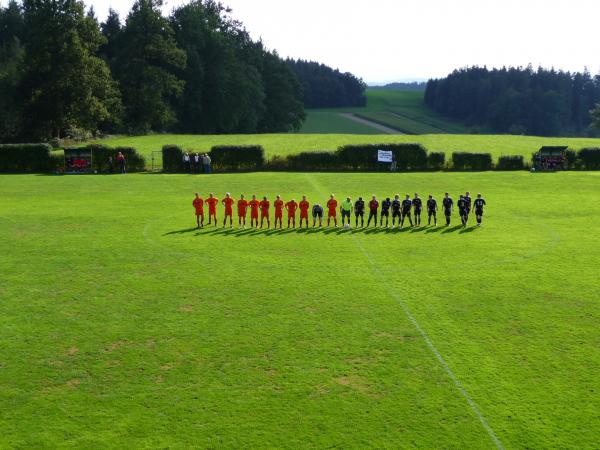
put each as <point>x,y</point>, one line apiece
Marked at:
<point>123,326</point>
<point>285,144</point>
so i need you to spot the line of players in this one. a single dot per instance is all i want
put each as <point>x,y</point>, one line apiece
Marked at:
<point>400,210</point>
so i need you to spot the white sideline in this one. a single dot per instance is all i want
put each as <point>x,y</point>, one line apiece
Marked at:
<point>433,349</point>
<point>424,335</point>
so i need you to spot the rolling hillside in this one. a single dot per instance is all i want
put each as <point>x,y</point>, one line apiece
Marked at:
<point>402,112</point>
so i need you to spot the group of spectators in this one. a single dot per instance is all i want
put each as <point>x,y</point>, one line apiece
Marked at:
<point>195,163</point>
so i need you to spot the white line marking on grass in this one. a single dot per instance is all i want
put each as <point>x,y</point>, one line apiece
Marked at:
<point>433,349</point>
<point>424,335</point>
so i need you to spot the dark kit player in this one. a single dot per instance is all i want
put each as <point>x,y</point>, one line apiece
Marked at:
<point>406,206</point>
<point>417,208</point>
<point>317,213</point>
<point>432,210</point>
<point>359,211</point>
<point>396,205</point>
<point>373,207</point>
<point>385,212</point>
<point>448,204</point>
<point>462,210</point>
<point>468,209</point>
<point>479,204</point>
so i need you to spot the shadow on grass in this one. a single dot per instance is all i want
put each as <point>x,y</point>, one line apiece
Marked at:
<point>468,230</point>
<point>434,229</point>
<point>187,230</point>
<point>452,229</point>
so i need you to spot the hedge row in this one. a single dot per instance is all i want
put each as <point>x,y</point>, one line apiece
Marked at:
<point>26,158</point>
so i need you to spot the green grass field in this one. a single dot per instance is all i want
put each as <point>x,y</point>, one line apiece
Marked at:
<point>285,144</point>
<point>404,111</point>
<point>122,326</point>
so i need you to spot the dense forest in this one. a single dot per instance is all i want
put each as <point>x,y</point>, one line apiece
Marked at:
<point>325,87</point>
<point>518,100</point>
<point>195,71</point>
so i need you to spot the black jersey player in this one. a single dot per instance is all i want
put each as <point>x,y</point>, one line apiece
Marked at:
<point>462,210</point>
<point>417,208</point>
<point>396,205</point>
<point>432,210</point>
<point>479,203</point>
<point>385,212</point>
<point>448,205</point>
<point>406,207</point>
<point>359,211</point>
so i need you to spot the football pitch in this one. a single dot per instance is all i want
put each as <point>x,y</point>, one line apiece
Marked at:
<point>123,326</point>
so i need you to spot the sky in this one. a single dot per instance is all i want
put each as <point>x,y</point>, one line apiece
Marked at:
<point>399,40</point>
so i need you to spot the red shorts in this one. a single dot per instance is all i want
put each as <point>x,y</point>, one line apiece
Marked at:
<point>278,214</point>
<point>229,212</point>
<point>212,212</point>
<point>332,213</point>
<point>242,213</point>
<point>264,214</point>
<point>304,214</point>
<point>200,212</point>
<point>254,214</point>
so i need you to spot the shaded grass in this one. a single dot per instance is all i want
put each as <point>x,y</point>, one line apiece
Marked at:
<point>122,326</point>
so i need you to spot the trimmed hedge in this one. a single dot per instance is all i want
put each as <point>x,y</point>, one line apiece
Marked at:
<point>472,161</point>
<point>436,160</point>
<point>237,157</point>
<point>513,162</point>
<point>26,158</point>
<point>571,156</point>
<point>313,161</point>
<point>407,156</point>
<point>589,158</point>
<point>172,158</point>
<point>100,154</point>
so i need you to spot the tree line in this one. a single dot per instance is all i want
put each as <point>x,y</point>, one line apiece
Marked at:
<point>518,100</point>
<point>62,72</point>
<point>325,87</point>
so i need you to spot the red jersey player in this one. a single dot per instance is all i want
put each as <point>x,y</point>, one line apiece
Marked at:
<point>332,207</point>
<point>228,202</point>
<point>291,207</point>
<point>264,212</point>
<point>304,206</point>
<point>212,202</point>
<point>254,204</point>
<point>242,205</point>
<point>199,206</point>
<point>278,204</point>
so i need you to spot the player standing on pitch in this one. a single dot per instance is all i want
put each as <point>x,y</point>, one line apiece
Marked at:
<point>278,204</point>
<point>304,205</point>
<point>385,212</point>
<point>359,211</point>
<point>468,209</point>
<point>417,207</point>
<point>242,206</point>
<point>332,210</point>
<point>448,204</point>
<point>199,207</point>
<point>462,210</point>
<point>432,210</point>
<point>254,205</point>
<point>264,212</point>
<point>373,207</point>
<point>228,202</point>
<point>212,208</point>
<point>406,206</point>
<point>479,204</point>
<point>291,207</point>
<point>317,212</point>
<point>346,210</point>
<point>396,210</point>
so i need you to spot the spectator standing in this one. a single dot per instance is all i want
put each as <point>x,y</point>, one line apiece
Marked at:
<point>197,163</point>
<point>207,162</point>
<point>111,164</point>
<point>187,164</point>
<point>121,162</point>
